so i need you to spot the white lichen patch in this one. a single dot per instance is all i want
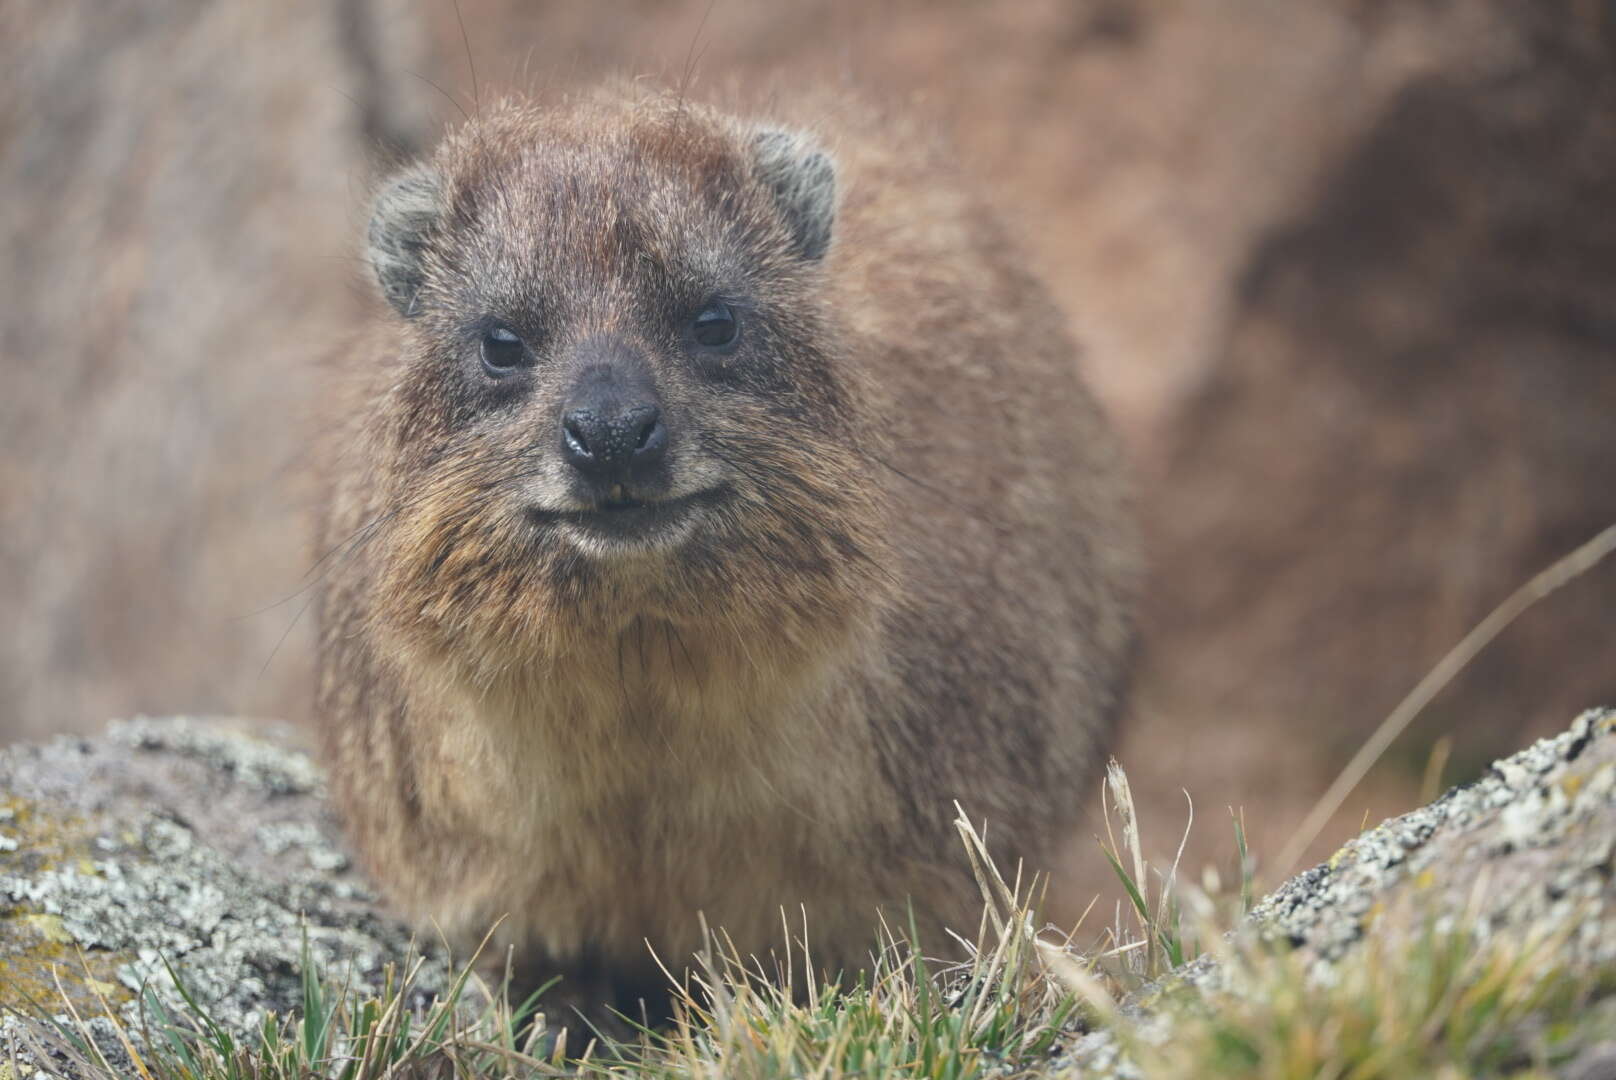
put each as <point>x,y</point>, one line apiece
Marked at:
<point>1537,827</point>
<point>176,844</point>
<point>251,762</point>
<point>305,837</point>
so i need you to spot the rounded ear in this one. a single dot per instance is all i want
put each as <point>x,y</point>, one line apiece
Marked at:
<point>401,216</point>
<point>802,178</point>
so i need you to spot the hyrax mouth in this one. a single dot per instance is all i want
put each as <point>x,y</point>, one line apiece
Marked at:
<point>619,499</point>
<point>623,516</point>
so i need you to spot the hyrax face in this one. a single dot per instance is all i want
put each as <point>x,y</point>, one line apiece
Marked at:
<point>619,395</point>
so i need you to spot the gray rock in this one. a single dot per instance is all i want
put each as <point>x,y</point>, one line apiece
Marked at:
<point>209,848</point>
<point>1527,849</point>
<point>1527,846</point>
<point>187,844</point>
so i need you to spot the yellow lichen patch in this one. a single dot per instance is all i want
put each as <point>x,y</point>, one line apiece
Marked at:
<point>15,815</point>
<point>1425,879</point>
<point>106,990</point>
<point>42,840</point>
<point>37,951</point>
<point>39,962</point>
<point>1572,783</point>
<point>49,927</point>
<point>37,978</point>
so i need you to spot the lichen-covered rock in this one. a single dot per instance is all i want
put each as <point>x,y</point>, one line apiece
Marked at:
<point>1531,846</point>
<point>206,847</point>
<point>1527,852</point>
<point>185,843</point>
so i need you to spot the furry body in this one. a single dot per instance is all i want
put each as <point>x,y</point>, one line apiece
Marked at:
<point>898,574</point>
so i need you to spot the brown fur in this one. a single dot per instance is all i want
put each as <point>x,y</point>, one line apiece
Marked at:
<point>916,589</point>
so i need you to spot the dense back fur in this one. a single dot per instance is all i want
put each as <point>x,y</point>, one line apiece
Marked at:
<point>904,577</point>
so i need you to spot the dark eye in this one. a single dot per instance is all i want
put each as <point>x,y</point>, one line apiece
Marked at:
<point>715,327</point>
<point>503,351</point>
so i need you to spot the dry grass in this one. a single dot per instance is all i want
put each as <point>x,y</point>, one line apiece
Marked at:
<point>1442,1007</point>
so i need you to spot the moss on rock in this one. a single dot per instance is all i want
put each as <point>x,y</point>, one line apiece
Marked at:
<point>185,844</point>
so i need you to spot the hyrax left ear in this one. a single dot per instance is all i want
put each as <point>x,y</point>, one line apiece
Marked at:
<point>401,218</point>
<point>802,178</point>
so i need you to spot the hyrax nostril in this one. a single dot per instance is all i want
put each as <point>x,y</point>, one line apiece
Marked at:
<point>575,436</point>
<point>652,440</point>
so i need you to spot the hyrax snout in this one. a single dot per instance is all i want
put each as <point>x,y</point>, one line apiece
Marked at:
<point>713,504</point>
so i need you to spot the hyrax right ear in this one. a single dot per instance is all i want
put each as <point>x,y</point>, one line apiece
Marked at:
<point>403,214</point>
<point>802,179</point>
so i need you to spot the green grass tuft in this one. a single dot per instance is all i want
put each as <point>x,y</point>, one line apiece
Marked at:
<point>1429,1003</point>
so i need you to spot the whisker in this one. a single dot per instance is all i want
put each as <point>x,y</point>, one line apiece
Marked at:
<point>990,521</point>
<point>347,547</point>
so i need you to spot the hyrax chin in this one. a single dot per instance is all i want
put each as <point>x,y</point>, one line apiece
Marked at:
<point>711,507</point>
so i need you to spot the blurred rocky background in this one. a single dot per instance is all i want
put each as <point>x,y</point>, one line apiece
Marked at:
<point>1345,271</point>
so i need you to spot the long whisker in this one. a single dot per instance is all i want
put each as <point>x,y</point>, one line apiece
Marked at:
<point>712,445</point>
<point>441,482</point>
<point>350,544</point>
<point>762,480</point>
<point>985,518</point>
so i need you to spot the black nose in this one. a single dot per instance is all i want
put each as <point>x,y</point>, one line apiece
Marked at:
<point>613,441</point>
<point>612,430</point>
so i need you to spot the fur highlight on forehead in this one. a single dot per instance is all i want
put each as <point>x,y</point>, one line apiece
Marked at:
<point>636,148</point>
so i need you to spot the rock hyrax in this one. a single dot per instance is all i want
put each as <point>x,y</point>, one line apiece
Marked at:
<point>711,506</point>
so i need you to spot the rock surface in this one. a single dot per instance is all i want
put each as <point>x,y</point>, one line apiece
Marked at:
<point>206,846</point>
<point>1529,846</point>
<point>190,842</point>
<point>1528,852</point>
<point>182,182</point>
<point>1406,420</point>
